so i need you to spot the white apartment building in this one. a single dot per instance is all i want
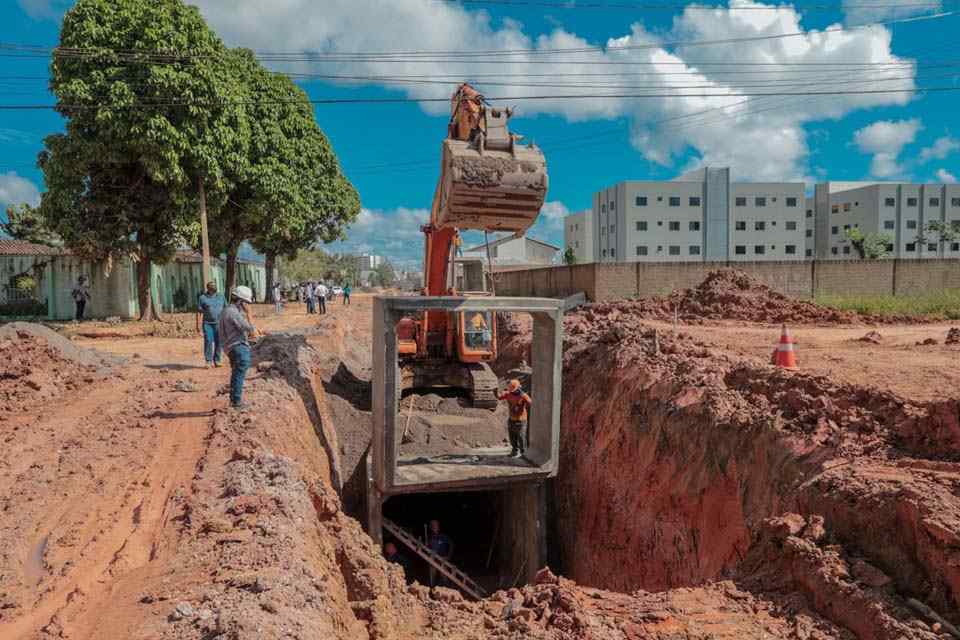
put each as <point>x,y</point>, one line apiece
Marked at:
<point>902,211</point>
<point>578,235</point>
<point>699,216</point>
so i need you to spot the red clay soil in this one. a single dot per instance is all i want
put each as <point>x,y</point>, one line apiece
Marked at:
<point>728,294</point>
<point>668,481</point>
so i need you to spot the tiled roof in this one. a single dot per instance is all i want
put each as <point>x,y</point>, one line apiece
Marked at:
<point>9,247</point>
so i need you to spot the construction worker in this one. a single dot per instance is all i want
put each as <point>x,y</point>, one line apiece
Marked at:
<point>235,327</point>
<point>458,242</point>
<point>210,305</point>
<point>440,544</point>
<point>479,333</point>
<point>517,422</point>
<point>392,555</point>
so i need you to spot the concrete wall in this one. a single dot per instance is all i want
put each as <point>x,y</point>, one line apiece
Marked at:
<point>801,279</point>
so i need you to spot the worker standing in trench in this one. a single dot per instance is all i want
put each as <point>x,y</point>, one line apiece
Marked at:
<point>517,422</point>
<point>235,326</point>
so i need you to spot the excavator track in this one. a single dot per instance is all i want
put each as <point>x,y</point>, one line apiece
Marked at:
<point>483,386</point>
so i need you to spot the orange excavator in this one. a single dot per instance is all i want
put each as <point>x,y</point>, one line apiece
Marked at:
<point>489,182</point>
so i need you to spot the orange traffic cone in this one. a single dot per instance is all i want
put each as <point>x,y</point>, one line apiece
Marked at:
<point>785,356</point>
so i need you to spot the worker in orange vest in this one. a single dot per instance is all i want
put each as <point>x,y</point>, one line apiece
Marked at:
<point>517,422</point>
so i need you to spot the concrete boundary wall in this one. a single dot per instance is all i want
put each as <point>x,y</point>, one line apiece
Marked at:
<point>802,279</point>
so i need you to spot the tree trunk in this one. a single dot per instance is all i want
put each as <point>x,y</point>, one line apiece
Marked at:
<point>231,276</point>
<point>149,311</point>
<point>271,262</point>
<point>204,236</point>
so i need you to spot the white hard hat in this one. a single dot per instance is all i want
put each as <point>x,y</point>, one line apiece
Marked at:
<point>244,293</point>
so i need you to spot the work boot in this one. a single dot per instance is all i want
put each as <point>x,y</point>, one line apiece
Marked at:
<point>514,454</point>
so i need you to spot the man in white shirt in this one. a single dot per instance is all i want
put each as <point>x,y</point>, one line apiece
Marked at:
<point>322,292</point>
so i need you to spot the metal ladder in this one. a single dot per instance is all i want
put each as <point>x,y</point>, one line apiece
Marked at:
<point>448,569</point>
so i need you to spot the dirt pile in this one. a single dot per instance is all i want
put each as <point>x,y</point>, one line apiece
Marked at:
<point>38,365</point>
<point>672,477</point>
<point>953,336</point>
<point>728,294</point>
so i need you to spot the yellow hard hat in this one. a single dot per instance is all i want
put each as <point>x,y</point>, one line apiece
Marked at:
<point>513,385</point>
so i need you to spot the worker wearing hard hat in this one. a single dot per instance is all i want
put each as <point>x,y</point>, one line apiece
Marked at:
<point>519,402</point>
<point>235,326</point>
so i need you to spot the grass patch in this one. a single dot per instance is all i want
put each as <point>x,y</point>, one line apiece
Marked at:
<point>935,304</point>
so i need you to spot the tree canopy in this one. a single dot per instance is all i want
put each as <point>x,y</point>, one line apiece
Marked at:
<point>25,223</point>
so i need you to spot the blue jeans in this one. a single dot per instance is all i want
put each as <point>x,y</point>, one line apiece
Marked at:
<point>239,363</point>
<point>212,351</point>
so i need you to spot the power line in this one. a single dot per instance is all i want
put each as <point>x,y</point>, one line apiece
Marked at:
<point>579,4</point>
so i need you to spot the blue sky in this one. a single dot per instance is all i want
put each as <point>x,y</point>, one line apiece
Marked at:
<point>391,152</point>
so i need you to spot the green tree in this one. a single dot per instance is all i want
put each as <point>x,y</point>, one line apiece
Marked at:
<point>943,232</point>
<point>289,193</point>
<point>871,246</point>
<point>384,274</point>
<point>569,257</point>
<point>153,124</point>
<point>26,223</point>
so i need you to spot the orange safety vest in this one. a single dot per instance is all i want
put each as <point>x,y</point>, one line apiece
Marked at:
<point>518,405</point>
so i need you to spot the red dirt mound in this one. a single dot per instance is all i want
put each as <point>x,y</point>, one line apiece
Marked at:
<point>37,365</point>
<point>728,294</point>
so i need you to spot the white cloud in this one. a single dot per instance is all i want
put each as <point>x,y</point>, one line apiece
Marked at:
<point>885,139</point>
<point>861,12</point>
<point>393,233</point>
<point>940,149</point>
<point>16,190</point>
<point>945,176</point>
<point>763,136</point>
<point>44,9</point>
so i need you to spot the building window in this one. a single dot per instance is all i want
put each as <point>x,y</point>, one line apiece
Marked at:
<point>760,249</point>
<point>791,225</point>
<point>889,224</point>
<point>846,206</point>
<point>674,250</point>
<point>694,201</point>
<point>603,208</point>
<point>934,202</point>
<point>674,201</point>
<point>911,202</point>
<point>955,202</point>
<point>809,213</point>
<point>604,253</point>
<point>659,248</point>
<point>890,248</point>
<point>835,209</point>
<point>890,202</point>
<point>790,249</point>
<point>613,206</point>
<point>675,226</point>
<point>809,233</point>
<point>809,253</point>
<point>603,231</point>
<point>740,225</point>
<point>642,225</point>
<point>932,246</point>
<point>846,250</point>
<point>740,202</point>
<point>613,253</point>
<point>955,246</point>
<point>694,249</point>
<point>641,250</point>
<point>613,229</point>
<point>694,225</point>
<point>659,198</point>
<point>641,201</point>
<point>846,227</point>
<point>911,224</point>
<point>911,246</point>
<point>791,202</point>
<point>740,250</point>
<point>659,223</point>
<point>834,230</point>
<point>760,202</point>
<point>576,244</point>
<point>759,225</point>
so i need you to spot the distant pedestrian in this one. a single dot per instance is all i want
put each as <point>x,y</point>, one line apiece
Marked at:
<point>236,327</point>
<point>517,422</point>
<point>322,292</point>
<point>210,305</point>
<point>346,294</point>
<point>311,293</point>
<point>80,295</point>
<point>277,297</point>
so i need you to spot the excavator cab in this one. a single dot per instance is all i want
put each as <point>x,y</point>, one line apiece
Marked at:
<point>477,340</point>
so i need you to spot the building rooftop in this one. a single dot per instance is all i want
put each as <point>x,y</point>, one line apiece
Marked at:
<point>506,239</point>
<point>10,247</point>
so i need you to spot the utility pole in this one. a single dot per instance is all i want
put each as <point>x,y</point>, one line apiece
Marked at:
<point>204,238</point>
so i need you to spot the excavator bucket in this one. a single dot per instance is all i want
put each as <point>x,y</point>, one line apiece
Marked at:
<point>490,188</point>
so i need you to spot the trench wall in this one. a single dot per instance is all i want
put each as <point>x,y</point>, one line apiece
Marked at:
<point>803,279</point>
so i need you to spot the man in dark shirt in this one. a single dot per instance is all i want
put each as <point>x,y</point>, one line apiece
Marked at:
<point>440,544</point>
<point>209,307</point>
<point>392,555</point>
<point>519,403</point>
